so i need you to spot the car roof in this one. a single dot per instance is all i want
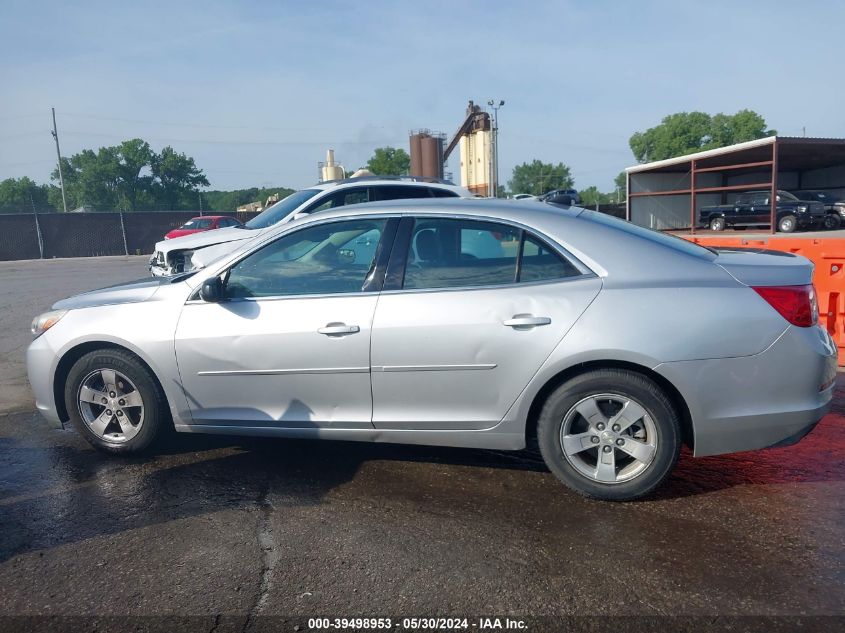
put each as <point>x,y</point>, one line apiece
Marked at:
<point>603,244</point>
<point>527,211</point>
<point>402,181</point>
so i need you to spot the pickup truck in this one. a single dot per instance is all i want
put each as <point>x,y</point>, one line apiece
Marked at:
<point>752,209</point>
<point>834,206</point>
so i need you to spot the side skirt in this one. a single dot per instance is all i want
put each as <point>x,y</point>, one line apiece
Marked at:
<point>463,439</point>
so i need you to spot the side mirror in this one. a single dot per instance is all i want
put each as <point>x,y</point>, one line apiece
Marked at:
<point>212,290</point>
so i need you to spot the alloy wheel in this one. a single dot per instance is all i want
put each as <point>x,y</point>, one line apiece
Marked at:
<point>609,438</point>
<point>111,406</point>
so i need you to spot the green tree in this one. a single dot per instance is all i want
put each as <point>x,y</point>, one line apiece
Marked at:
<point>621,182</point>
<point>229,201</point>
<point>127,177</point>
<point>90,179</point>
<point>592,196</point>
<point>133,157</point>
<point>538,177</point>
<point>686,132</point>
<point>177,179</point>
<point>22,195</point>
<point>389,161</point>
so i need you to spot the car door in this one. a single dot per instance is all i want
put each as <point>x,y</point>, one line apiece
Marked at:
<point>289,346</point>
<point>760,211</point>
<point>460,328</point>
<point>742,210</point>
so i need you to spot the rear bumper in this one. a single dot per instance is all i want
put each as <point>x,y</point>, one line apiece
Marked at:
<point>770,399</point>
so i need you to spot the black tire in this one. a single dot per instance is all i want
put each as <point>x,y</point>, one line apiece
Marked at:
<point>831,222</point>
<point>717,224</point>
<point>156,422</point>
<point>628,385</point>
<point>787,224</point>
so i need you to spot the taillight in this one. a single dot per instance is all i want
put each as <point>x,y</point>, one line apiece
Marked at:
<point>796,304</point>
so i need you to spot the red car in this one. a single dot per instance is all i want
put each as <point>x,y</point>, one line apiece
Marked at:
<point>203,223</point>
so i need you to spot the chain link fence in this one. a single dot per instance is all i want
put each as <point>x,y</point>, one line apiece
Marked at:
<point>92,234</point>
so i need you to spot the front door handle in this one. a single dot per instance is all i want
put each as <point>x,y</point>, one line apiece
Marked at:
<point>526,321</point>
<point>337,329</point>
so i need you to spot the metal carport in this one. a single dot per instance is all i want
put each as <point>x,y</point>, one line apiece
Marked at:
<point>667,194</point>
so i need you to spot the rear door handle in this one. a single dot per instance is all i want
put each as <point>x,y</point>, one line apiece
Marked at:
<point>526,321</point>
<point>336,329</point>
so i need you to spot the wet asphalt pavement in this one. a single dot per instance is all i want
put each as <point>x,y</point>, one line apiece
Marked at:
<point>233,530</point>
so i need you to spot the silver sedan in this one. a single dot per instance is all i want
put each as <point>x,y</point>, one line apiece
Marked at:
<point>489,324</point>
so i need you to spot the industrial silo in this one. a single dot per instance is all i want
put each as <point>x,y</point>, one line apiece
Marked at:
<point>427,154</point>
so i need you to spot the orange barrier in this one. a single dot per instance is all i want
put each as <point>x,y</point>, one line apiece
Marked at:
<point>828,254</point>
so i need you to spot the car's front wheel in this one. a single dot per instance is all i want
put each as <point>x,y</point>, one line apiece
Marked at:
<point>717,224</point>
<point>609,434</point>
<point>115,402</point>
<point>787,224</point>
<point>831,222</point>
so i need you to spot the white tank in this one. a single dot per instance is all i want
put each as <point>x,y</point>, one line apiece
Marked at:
<point>331,170</point>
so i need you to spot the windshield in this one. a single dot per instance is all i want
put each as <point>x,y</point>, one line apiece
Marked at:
<point>282,209</point>
<point>820,195</point>
<point>785,195</point>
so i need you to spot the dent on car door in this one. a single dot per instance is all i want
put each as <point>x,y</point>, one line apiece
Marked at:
<point>462,328</point>
<point>290,344</point>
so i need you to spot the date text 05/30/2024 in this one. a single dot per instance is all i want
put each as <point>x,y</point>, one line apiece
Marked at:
<point>416,624</point>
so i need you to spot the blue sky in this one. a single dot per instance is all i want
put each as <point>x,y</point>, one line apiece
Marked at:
<point>257,91</point>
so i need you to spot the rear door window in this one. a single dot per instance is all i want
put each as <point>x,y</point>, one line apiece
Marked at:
<point>452,253</point>
<point>448,253</point>
<point>351,195</point>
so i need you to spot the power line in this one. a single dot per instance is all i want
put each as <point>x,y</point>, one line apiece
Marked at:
<point>231,142</point>
<point>99,117</point>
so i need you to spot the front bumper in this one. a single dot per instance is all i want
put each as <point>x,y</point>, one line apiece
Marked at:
<point>166,264</point>
<point>804,220</point>
<point>770,399</point>
<point>41,361</point>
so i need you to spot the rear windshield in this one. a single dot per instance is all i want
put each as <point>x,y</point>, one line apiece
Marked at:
<point>658,237</point>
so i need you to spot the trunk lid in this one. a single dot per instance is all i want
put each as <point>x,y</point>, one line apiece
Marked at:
<point>762,267</point>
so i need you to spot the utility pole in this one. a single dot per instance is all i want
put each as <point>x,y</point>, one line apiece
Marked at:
<point>59,154</point>
<point>494,177</point>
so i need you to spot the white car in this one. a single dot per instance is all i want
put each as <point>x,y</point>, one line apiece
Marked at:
<point>192,252</point>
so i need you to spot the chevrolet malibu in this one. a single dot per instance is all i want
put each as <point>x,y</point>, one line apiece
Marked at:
<point>485,324</point>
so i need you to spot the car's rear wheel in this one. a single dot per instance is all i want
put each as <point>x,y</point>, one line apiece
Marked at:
<point>609,434</point>
<point>831,221</point>
<point>787,224</point>
<point>115,402</point>
<point>717,224</point>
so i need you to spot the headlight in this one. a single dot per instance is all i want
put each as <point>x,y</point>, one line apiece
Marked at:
<point>44,322</point>
<point>801,208</point>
